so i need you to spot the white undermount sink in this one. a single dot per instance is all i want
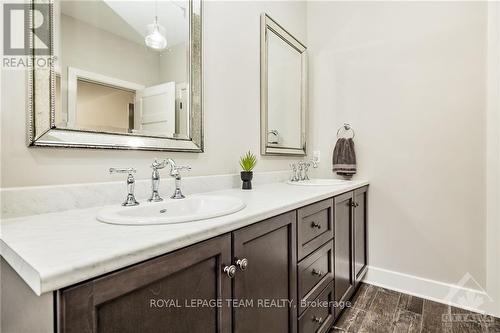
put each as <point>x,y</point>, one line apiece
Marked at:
<point>319,182</point>
<point>192,208</point>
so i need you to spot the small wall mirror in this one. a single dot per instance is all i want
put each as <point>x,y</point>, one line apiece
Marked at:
<point>127,75</point>
<point>283,91</point>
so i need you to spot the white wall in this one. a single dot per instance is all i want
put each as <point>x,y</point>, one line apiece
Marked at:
<point>410,77</point>
<point>173,64</point>
<point>493,155</point>
<point>21,309</point>
<point>231,106</point>
<point>96,50</point>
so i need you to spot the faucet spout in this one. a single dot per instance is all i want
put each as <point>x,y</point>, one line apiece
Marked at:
<point>155,181</point>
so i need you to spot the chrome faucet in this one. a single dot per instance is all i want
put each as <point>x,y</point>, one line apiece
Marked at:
<point>174,172</point>
<point>300,170</point>
<point>294,177</point>
<point>305,170</point>
<point>155,181</point>
<point>130,200</point>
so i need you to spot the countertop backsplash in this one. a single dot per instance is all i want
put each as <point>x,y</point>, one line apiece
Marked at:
<point>25,201</point>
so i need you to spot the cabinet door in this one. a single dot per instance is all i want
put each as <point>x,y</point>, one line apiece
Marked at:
<point>344,272</point>
<point>360,236</point>
<point>271,250</point>
<point>155,296</point>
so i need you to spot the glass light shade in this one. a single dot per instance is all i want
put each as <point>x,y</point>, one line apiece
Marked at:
<point>155,36</point>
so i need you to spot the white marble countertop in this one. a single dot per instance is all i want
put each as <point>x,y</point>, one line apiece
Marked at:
<point>55,250</point>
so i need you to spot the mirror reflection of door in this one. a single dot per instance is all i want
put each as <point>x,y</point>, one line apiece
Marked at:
<point>182,118</point>
<point>155,107</point>
<point>123,67</point>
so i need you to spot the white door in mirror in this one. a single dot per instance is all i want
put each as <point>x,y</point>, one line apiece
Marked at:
<point>193,208</point>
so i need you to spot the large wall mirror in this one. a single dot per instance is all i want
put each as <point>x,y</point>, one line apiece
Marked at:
<point>127,74</point>
<point>283,91</point>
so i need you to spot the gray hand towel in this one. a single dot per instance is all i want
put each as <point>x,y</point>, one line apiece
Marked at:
<point>344,158</point>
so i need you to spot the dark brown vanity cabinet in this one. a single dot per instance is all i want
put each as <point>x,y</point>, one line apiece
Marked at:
<point>271,276</point>
<point>315,267</point>
<point>155,296</point>
<point>178,292</point>
<point>344,240</point>
<point>360,235</point>
<point>270,251</point>
<point>350,243</point>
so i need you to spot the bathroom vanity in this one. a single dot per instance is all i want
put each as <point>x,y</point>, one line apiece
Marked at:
<point>282,264</point>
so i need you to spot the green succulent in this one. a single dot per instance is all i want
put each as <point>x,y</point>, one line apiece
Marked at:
<point>248,161</point>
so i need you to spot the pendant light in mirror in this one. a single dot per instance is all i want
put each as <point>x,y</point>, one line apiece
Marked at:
<point>155,35</point>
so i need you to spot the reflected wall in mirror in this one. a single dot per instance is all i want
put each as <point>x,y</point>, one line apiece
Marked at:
<point>141,92</point>
<point>129,71</point>
<point>283,91</point>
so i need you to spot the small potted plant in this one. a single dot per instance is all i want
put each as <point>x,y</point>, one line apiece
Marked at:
<point>247,163</point>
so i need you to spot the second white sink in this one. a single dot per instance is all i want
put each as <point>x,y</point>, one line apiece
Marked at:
<point>319,182</point>
<point>192,208</point>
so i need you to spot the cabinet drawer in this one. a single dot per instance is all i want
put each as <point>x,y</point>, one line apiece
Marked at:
<point>315,272</point>
<point>315,226</point>
<point>319,316</point>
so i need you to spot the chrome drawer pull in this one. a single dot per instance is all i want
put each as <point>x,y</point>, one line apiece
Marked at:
<point>315,225</point>
<point>315,272</point>
<point>319,320</point>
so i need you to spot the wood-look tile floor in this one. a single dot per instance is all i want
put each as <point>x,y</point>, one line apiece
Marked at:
<point>381,310</point>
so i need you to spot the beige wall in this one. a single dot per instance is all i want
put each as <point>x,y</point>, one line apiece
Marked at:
<point>231,106</point>
<point>410,78</point>
<point>493,155</point>
<point>86,47</point>
<point>95,50</point>
<point>99,106</point>
<point>21,309</point>
<point>173,64</point>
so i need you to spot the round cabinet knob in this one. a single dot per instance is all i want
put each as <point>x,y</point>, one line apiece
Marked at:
<point>319,320</point>
<point>354,204</point>
<point>317,273</point>
<point>230,271</point>
<point>315,225</point>
<point>242,263</point>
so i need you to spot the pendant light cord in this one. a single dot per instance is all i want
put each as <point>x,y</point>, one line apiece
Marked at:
<point>156,12</point>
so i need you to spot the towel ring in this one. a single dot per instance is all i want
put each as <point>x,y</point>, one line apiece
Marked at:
<point>346,128</point>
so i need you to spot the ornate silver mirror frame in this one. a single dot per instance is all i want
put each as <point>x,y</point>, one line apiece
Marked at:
<point>269,25</point>
<point>41,127</point>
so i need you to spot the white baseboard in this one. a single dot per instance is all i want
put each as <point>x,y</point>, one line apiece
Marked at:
<point>452,294</point>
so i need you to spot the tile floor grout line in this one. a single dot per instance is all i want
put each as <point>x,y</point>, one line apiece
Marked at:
<point>422,318</point>
<point>393,322</point>
<point>369,307</point>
